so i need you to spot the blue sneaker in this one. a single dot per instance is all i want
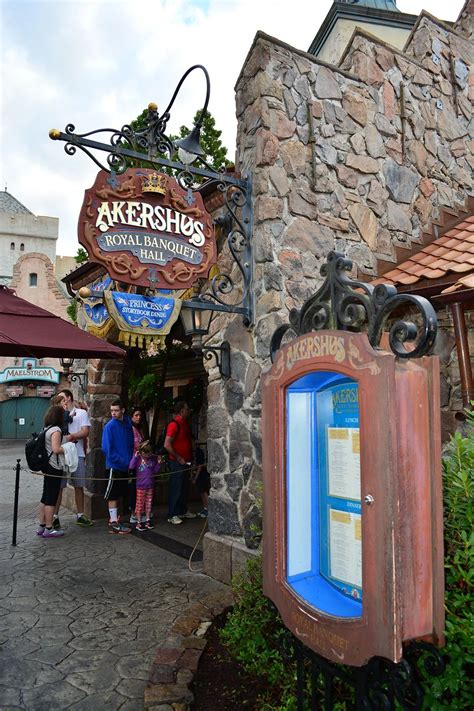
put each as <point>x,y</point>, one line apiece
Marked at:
<point>120,528</point>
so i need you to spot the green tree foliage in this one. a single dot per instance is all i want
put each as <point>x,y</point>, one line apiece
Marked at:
<point>216,153</point>
<point>72,311</point>
<point>81,256</point>
<point>210,141</point>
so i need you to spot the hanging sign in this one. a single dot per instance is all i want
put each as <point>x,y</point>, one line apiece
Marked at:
<point>29,370</point>
<point>146,315</point>
<point>147,230</point>
<point>98,320</point>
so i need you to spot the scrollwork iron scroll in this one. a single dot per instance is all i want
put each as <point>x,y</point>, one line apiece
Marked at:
<point>346,304</point>
<point>379,685</point>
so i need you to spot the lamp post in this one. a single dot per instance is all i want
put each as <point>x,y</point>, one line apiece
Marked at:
<point>66,364</point>
<point>196,322</point>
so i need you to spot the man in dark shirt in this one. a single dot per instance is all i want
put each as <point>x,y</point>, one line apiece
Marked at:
<point>178,444</point>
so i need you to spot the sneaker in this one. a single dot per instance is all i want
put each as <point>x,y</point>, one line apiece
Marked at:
<point>188,514</point>
<point>203,513</point>
<point>140,527</point>
<point>149,524</point>
<point>56,523</point>
<point>41,530</point>
<point>175,520</point>
<point>117,527</point>
<point>133,518</point>
<point>84,521</point>
<point>53,533</point>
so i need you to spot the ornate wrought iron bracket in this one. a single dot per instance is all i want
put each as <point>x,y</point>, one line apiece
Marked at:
<point>346,304</point>
<point>221,354</point>
<point>151,145</point>
<point>379,685</point>
<point>80,378</point>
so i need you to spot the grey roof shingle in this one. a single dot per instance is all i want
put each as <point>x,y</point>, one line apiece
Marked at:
<point>389,5</point>
<point>8,203</point>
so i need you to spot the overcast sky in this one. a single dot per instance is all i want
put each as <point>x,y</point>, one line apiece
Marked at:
<point>98,63</point>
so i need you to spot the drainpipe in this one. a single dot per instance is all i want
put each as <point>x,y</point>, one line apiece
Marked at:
<point>462,346</point>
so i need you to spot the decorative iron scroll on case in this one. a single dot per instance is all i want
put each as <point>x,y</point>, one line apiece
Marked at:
<point>345,304</point>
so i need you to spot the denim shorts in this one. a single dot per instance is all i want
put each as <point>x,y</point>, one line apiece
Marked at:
<point>78,478</point>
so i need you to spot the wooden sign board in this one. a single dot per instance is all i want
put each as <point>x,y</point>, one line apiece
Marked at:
<point>353,547</point>
<point>147,230</point>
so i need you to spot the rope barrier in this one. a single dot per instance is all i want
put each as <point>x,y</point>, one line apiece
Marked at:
<point>17,468</point>
<point>164,475</point>
<point>197,570</point>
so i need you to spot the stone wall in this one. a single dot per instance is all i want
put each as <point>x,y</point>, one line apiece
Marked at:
<point>357,158</point>
<point>104,381</point>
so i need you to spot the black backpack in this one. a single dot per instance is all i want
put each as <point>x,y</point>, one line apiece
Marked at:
<point>35,451</point>
<point>160,442</point>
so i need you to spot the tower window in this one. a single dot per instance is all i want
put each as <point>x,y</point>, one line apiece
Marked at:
<point>12,245</point>
<point>33,279</point>
<point>22,247</point>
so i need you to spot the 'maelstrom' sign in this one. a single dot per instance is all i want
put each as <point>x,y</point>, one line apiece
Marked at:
<point>147,230</point>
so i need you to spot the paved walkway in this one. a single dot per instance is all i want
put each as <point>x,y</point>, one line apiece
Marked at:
<point>81,616</point>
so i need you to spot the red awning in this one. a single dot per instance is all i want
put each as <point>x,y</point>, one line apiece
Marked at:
<point>29,331</point>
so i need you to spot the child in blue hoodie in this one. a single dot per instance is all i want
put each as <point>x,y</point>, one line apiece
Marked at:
<point>117,445</point>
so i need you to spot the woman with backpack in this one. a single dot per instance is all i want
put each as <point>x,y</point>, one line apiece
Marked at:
<point>53,422</point>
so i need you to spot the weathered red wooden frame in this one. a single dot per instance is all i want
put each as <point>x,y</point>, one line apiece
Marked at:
<point>402,537</point>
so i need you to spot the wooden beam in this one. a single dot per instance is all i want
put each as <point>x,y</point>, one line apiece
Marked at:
<point>464,359</point>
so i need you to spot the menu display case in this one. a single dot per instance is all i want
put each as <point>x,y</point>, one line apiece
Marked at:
<point>353,546</point>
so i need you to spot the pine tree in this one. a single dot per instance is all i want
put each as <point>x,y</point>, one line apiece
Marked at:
<point>216,153</point>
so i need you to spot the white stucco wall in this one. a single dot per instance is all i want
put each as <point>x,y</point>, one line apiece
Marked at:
<point>342,32</point>
<point>38,234</point>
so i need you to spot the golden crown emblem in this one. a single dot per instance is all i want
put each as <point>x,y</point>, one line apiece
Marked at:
<point>154,183</point>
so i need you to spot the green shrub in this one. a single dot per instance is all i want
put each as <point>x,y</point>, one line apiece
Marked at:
<point>454,689</point>
<point>254,631</point>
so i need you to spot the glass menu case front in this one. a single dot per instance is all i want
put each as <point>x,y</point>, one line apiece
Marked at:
<point>324,524</point>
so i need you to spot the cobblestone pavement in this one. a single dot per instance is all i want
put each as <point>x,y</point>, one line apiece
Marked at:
<point>81,616</point>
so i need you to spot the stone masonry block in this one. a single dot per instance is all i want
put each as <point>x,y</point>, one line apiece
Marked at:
<point>99,389</point>
<point>190,659</point>
<point>168,655</point>
<point>217,558</point>
<point>240,555</point>
<point>167,694</point>
<point>162,674</point>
